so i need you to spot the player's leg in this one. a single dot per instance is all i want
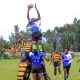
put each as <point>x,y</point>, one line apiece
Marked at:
<point>40,45</point>
<point>40,48</point>
<point>34,42</point>
<point>40,72</point>
<point>65,72</point>
<point>28,71</point>
<point>39,42</point>
<point>41,77</point>
<point>68,69</point>
<point>46,76</point>
<point>79,69</point>
<point>34,72</point>
<point>59,70</point>
<point>55,69</point>
<point>34,76</point>
<point>22,71</point>
<point>34,45</point>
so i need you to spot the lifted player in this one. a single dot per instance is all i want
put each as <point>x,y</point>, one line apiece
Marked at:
<point>35,29</point>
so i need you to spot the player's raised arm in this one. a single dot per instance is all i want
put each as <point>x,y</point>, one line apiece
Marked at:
<point>29,7</point>
<point>39,17</point>
<point>22,36</point>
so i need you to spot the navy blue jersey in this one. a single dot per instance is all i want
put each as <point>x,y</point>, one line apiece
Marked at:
<point>37,58</point>
<point>34,27</point>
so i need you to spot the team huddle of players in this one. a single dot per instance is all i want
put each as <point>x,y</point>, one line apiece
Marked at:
<point>32,54</point>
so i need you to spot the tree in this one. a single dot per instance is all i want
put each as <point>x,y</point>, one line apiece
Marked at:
<point>15,36</point>
<point>3,45</point>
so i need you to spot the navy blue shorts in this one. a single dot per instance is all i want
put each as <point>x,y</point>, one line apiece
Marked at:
<point>37,69</point>
<point>56,64</point>
<point>36,36</point>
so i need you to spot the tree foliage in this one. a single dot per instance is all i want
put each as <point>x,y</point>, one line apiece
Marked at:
<point>67,35</point>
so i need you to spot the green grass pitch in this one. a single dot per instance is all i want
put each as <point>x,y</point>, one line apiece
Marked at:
<point>9,69</point>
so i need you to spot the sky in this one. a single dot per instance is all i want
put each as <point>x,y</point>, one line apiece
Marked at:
<point>53,13</point>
